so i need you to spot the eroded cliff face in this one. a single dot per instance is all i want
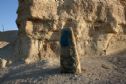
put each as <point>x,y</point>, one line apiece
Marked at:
<point>99,27</point>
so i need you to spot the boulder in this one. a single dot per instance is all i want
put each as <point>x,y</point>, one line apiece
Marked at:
<point>69,59</point>
<point>3,63</point>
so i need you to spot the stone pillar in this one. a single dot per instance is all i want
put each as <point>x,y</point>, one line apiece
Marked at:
<point>69,58</point>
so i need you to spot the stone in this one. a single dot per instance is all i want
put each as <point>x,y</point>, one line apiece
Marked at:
<point>69,58</point>
<point>99,27</point>
<point>3,63</point>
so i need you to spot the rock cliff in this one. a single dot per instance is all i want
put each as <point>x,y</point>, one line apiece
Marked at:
<point>99,27</point>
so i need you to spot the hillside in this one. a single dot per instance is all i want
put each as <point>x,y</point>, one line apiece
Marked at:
<point>7,42</point>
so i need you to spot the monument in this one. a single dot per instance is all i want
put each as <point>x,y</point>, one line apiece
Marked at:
<point>69,58</point>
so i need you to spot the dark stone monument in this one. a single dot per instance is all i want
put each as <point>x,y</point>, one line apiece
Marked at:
<point>69,59</point>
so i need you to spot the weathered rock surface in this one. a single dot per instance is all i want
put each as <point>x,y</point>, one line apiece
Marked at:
<point>69,59</point>
<point>99,27</point>
<point>3,63</point>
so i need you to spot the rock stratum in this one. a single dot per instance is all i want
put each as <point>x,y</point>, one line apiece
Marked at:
<point>99,27</point>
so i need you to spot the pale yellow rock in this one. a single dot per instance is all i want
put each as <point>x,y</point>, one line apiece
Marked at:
<point>3,63</point>
<point>99,26</point>
<point>29,27</point>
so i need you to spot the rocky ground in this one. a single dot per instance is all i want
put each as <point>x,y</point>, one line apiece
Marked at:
<point>95,70</point>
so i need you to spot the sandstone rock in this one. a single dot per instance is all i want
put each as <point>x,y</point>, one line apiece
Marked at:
<point>99,26</point>
<point>69,58</point>
<point>3,63</point>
